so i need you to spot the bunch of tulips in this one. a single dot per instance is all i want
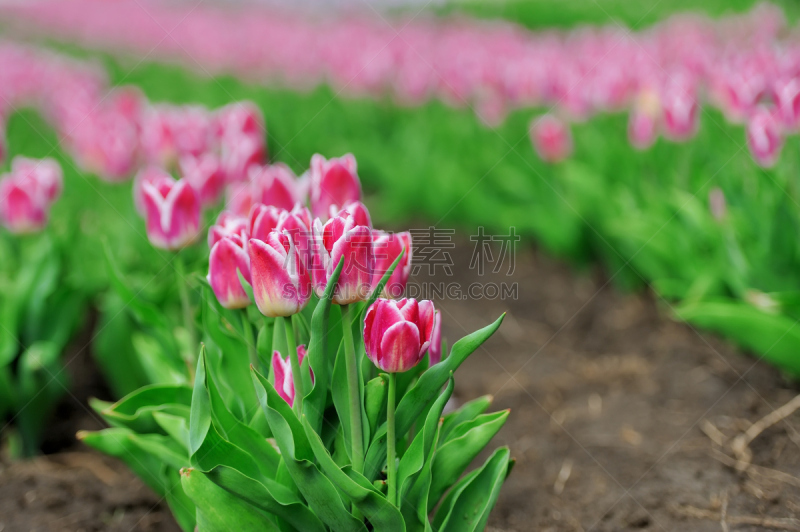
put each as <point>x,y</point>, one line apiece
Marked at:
<point>340,423</point>
<point>745,65</point>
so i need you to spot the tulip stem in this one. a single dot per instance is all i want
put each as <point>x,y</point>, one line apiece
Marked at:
<point>249,339</point>
<point>356,435</point>
<point>391,442</point>
<point>188,313</point>
<point>297,377</point>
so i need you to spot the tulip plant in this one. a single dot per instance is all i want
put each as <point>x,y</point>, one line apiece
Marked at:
<point>40,310</point>
<point>332,416</point>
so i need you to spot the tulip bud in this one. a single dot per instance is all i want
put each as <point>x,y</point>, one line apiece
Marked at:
<point>238,155</point>
<point>764,137</point>
<point>265,219</point>
<point>44,174</point>
<point>341,238</point>
<point>191,129</point>
<point>228,224</point>
<point>275,185</point>
<point>205,175</point>
<point>398,333</point>
<point>357,209</point>
<point>551,138</point>
<point>153,175</point>
<point>282,368</point>
<point>172,211</point>
<point>157,136</point>
<point>435,349</point>
<point>333,182</point>
<point>228,256</point>
<point>386,248</point>
<point>281,283</point>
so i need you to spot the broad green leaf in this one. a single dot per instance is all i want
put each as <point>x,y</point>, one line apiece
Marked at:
<point>237,432</point>
<point>467,506</point>
<point>117,442</point>
<point>298,456</point>
<point>772,336</point>
<point>136,409</point>
<point>314,401</point>
<point>176,426</point>
<point>468,411</point>
<point>220,511</point>
<point>421,448</point>
<point>382,514</point>
<point>159,367</point>
<point>452,458</point>
<point>425,391</point>
<point>182,507</point>
<point>146,313</point>
<point>163,447</point>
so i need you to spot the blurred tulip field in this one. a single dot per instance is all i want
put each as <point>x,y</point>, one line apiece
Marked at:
<point>214,211</point>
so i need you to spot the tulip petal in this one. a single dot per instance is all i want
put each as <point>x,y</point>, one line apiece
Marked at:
<point>400,348</point>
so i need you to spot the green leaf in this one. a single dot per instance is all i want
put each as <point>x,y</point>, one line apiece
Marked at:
<point>775,337</point>
<point>452,458</point>
<point>375,393</point>
<point>382,514</point>
<point>220,511</point>
<point>163,447</point>
<point>200,417</point>
<point>117,442</point>
<point>176,426</point>
<point>467,506</point>
<point>136,409</point>
<point>160,368</point>
<point>245,285</point>
<point>237,432</point>
<point>424,391</point>
<point>182,507</point>
<point>421,448</point>
<point>314,401</point>
<point>271,497</point>
<point>146,313</point>
<point>298,456</point>
<point>468,411</point>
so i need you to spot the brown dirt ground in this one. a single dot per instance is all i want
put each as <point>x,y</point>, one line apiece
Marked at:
<point>612,407</point>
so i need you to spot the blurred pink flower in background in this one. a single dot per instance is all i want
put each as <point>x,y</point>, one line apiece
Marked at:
<point>551,138</point>
<point>764,136</point>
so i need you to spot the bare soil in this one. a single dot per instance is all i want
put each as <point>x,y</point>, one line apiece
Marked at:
<point>621,420</point>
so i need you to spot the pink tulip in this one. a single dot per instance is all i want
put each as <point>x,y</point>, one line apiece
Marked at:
<point>239,198</point>
<point>191,128</point>
<point>357,209</point>
<point>23,206</point>
<point>342,237</point>
<point>297,222</point>
<point>172,212</point>
<point>44,174</point>
<point>153,175</point>
<point>228,224</point>
<point>238,155</point>
<point>240,119</point>
<point>387,247</point>
<point>551,138</point>
<point>787,98</point>
<point>644,120</point>
<point>333,182</point>
<point>281,283</point>
<point>205,175</point>
<point>680,112</point>
<point>282,368</point>
<point>435,350</point>
<point>764,137</point>
<point>158,138</point>
<point>398,333</point>
<point>276,185</point>
<point>228,256</point>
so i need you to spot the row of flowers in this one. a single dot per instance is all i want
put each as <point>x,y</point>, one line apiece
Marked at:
<point>745,65</point>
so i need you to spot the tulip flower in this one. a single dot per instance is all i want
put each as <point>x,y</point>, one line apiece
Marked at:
<point>44,174</point>
<point>239,198</point>
<point>644,120</point>
<point>357,209</point>
<point>228,224</point>
<point>398,333</point>
<point>153,175</point>
<point>680,112</point>
<point>23,206</point>
<point>238,155</point>
<point>386,248</point>
<point>551,138</point>
<point>282,368</point>
<point>764,137</point>
<point>281,283</point>
<point>333,182</point>
<point>172,211</point>
<point>342,237</point>
<point>787,97</point>
<point>276,185</point>
<point>435,349</point>
<point>229,258</point>
<point>205,175</point>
